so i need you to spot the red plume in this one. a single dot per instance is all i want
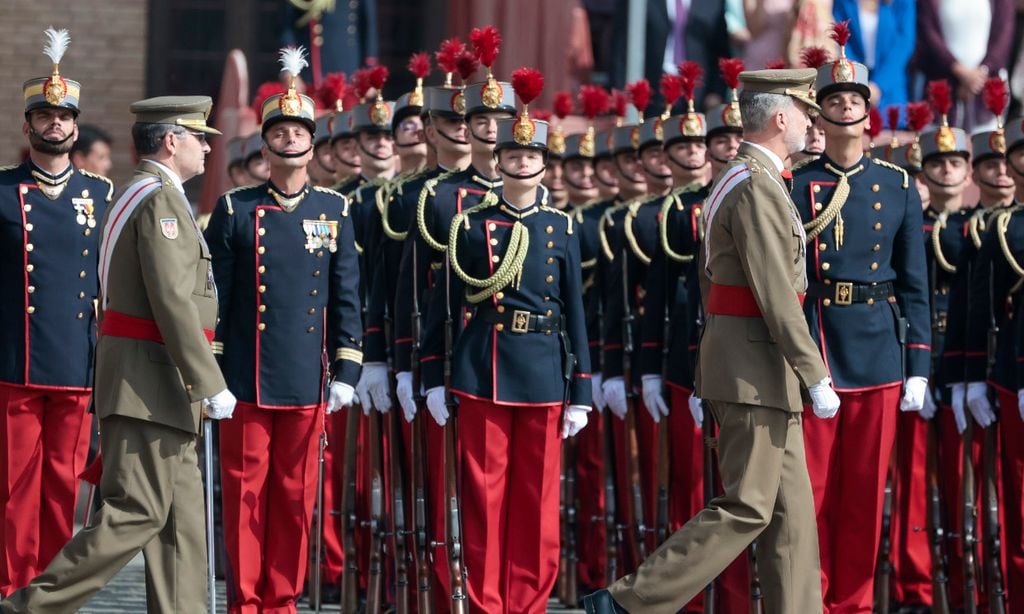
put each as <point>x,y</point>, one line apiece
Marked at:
<point>691,73</point>
<point>639,94</point>
<point>776,64</point>
<point>893,113</point>
<point>940,96</point>
<point>419,65</point>
<point>841,32</point>
<point>467,63</point>
<point>672,87</point>
<point>361,82</point>
<point>332,89</point>
<point>449,52</point>
<point>919,115</point>
<point>874,123</point>
<point>731,69</point>
<point>528,83</point>
<point>619,102</point>
<point>563,104</point>
<point>594,100</point>
<point>264,91</point>
<point>542,114</point>
<point>486,41</point>
<point>378,75</point>
<point>814,57</point>
<point>995,95</point>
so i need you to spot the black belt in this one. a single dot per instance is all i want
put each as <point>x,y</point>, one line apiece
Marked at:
<point>520,321</point>
<point>848,293</point>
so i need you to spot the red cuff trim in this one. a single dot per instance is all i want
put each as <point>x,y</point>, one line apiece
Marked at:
<point>375,329</point>
<point>616,346</point>
<point>919,346</point>
<point>975,354</point>
<point>584,375</point>
<point>430,358</point>
<point>650,344</point>
<point>404,340</point>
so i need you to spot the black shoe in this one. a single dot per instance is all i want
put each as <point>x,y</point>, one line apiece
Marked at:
<point>601,602</point>
<point>330,593</point>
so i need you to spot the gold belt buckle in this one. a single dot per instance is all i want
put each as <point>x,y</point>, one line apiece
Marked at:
<point>844,293</point>
<point>520,321</point>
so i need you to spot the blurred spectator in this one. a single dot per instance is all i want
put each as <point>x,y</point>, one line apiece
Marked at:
<point>769,22</point>
<point>964,42</point>
<point>339,36</point>
<point>91,152</point>
<point>890,21</point>
<point>810,28</point>
<point>601,14</point>
<point>736,26</point>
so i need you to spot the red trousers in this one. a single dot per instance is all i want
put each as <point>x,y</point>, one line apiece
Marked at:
<point>45,436</point>
<point>1011,431</point>
<point>848,459</point>
<point>910,540</point>
<point>591,542</point>
<point>510,476</point>
<point>268,475</point>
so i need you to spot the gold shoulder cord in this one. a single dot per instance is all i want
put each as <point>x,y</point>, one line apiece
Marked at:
<point>634,207</point>
<point>940,258</point>
<point>672,200</point>
<point>511,268</point>
<point>383,204</point>
<point>1002,223</point>
<point>421,205</point>
<point>834,209</point>
<point>976,226</point>
<point>110,184</point>
<point>602,232</point>
<point>890,165</point>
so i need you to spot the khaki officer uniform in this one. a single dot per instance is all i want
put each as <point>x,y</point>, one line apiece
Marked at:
<point>754,357</point>
<point>154,365</point>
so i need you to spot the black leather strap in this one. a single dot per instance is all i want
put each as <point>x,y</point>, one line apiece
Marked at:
<point>519,321</point>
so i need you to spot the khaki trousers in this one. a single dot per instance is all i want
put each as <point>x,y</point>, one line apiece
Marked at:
<point>152,501</point>
<point>767,497</point>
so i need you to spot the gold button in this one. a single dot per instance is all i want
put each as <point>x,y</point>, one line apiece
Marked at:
<point>81,295</point>
<point>24,190</point>
<point>547,298</point>
<point>28,208</point>
<point>501,309</point>
<point>261,213</point>
<point>262,269</point>
<point>261,250</point>
<point>314,292</point>
<point>870,301</point>
<point>30,267</point>
<point>499,327</point>
<point>85,252</point>
<point>549,229</point>
<point>817,189</point>
<point>310,329</point>
<point>29,227</point>
<point>463,193</point>
<point>87,232</point>
<point>876,248</point>
<point>878,225</point>
<point>85,193</point>
<point>466,316</point>
<point>31,309</point>
<point>822,247</point>
<point>875,188</point>
<point>551,244</point>
<point>316,273</point>
<point>262,288</point>
<point>495,259</point>
<point>550,260</point>
<point>549,278</point>
<point>81,274</point>
<point>549,312</point>
<point>323,216</point>
<point>499,295</point>
<point>492,227</point>
<point>262,326</point>
<point>828,282</point>
<point>261,231</point>
<point>188,387</point>
<point>817,206</point>
<point>825,266</point>
<point>262,308</point>
<point>494,241</point>
<point>826,302</point>
<point>320,254</point>
<point>318,29</point>
<point>312,310</point>
<point>80,315</point>
<point>31,289</point>
<point>877,206</point>
<point>874,266</point>
<point>29,247</point>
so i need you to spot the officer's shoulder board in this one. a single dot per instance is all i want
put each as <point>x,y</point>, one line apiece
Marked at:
<point>229,204</point>
<point>110,184</point>
<point>559,212</point>
<point>893,167</point>
<point>335,193</point>
<point>802,163</point>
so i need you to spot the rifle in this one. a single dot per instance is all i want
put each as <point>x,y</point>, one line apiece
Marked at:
<point>318,537</point>
<point>376,522</point>
<point>612,528</point>
<point>756,596</point>
<point>397,530</point>
<point>349,519</point>
<point>661,520</point>
<point>421,536</point>
<point>453,513</point>
<point>991,545</point>
<point>968,539</point>
<point>710,471</point>
<point>568,581</point>
<point>638,547</point>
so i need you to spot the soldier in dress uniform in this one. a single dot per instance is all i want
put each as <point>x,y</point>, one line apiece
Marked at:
<point>516,267</point>
<point>867,296</point>
<point>346,153</point>
<point>605,173</point>
<point>321,168</point>
<point>908,156</point>
<point>255,164</point>
<point>49,211</point>
<point>236,163</point>
<point>155,376</point>
<point>280,328</point>
<point>753,269</point>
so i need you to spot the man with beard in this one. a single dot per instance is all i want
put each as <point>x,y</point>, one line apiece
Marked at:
<point>755,359</point>
<point>279,330</point>
<point>49,211</point>
<point>867,297</point>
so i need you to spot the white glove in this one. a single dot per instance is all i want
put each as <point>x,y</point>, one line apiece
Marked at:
<point>220,406</point>
<point>342,395</point>
<point>958,407</point>
<point>362,397</point>
<point>403,390</point>
<point>652,397</point>
<point>696,410</point>
<point>1020,403</point>
<point>977,402</point>
<point>929,407</point>
<point>913,393</point>
<point>376,374</point>
<point>615,395</point>
<point>436,406</point>
<point>598,394</point>
<point>573,420</point>
<point>824,400</point>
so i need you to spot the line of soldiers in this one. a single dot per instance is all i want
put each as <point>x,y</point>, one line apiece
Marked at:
<point>461,286</point>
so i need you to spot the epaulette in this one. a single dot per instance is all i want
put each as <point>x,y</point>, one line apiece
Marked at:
<point>332,192</point>
<point>900,170</point>
<point>802,163</point>
<point>110,184</point>
<point>227,196</point>
<point>568,218</point>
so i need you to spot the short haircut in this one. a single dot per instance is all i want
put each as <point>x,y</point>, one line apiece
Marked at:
<point>757,108</point>
<point>89,135</point>
<point>148,138</point>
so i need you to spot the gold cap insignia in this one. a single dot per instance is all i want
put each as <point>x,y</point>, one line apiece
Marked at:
<point>634,137</point>
<point>587,143</point>
<point>524,130</point>
<point>997,142</point>
<point>380,114</point>
<point>945,140</point>
<point>491,94</point>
